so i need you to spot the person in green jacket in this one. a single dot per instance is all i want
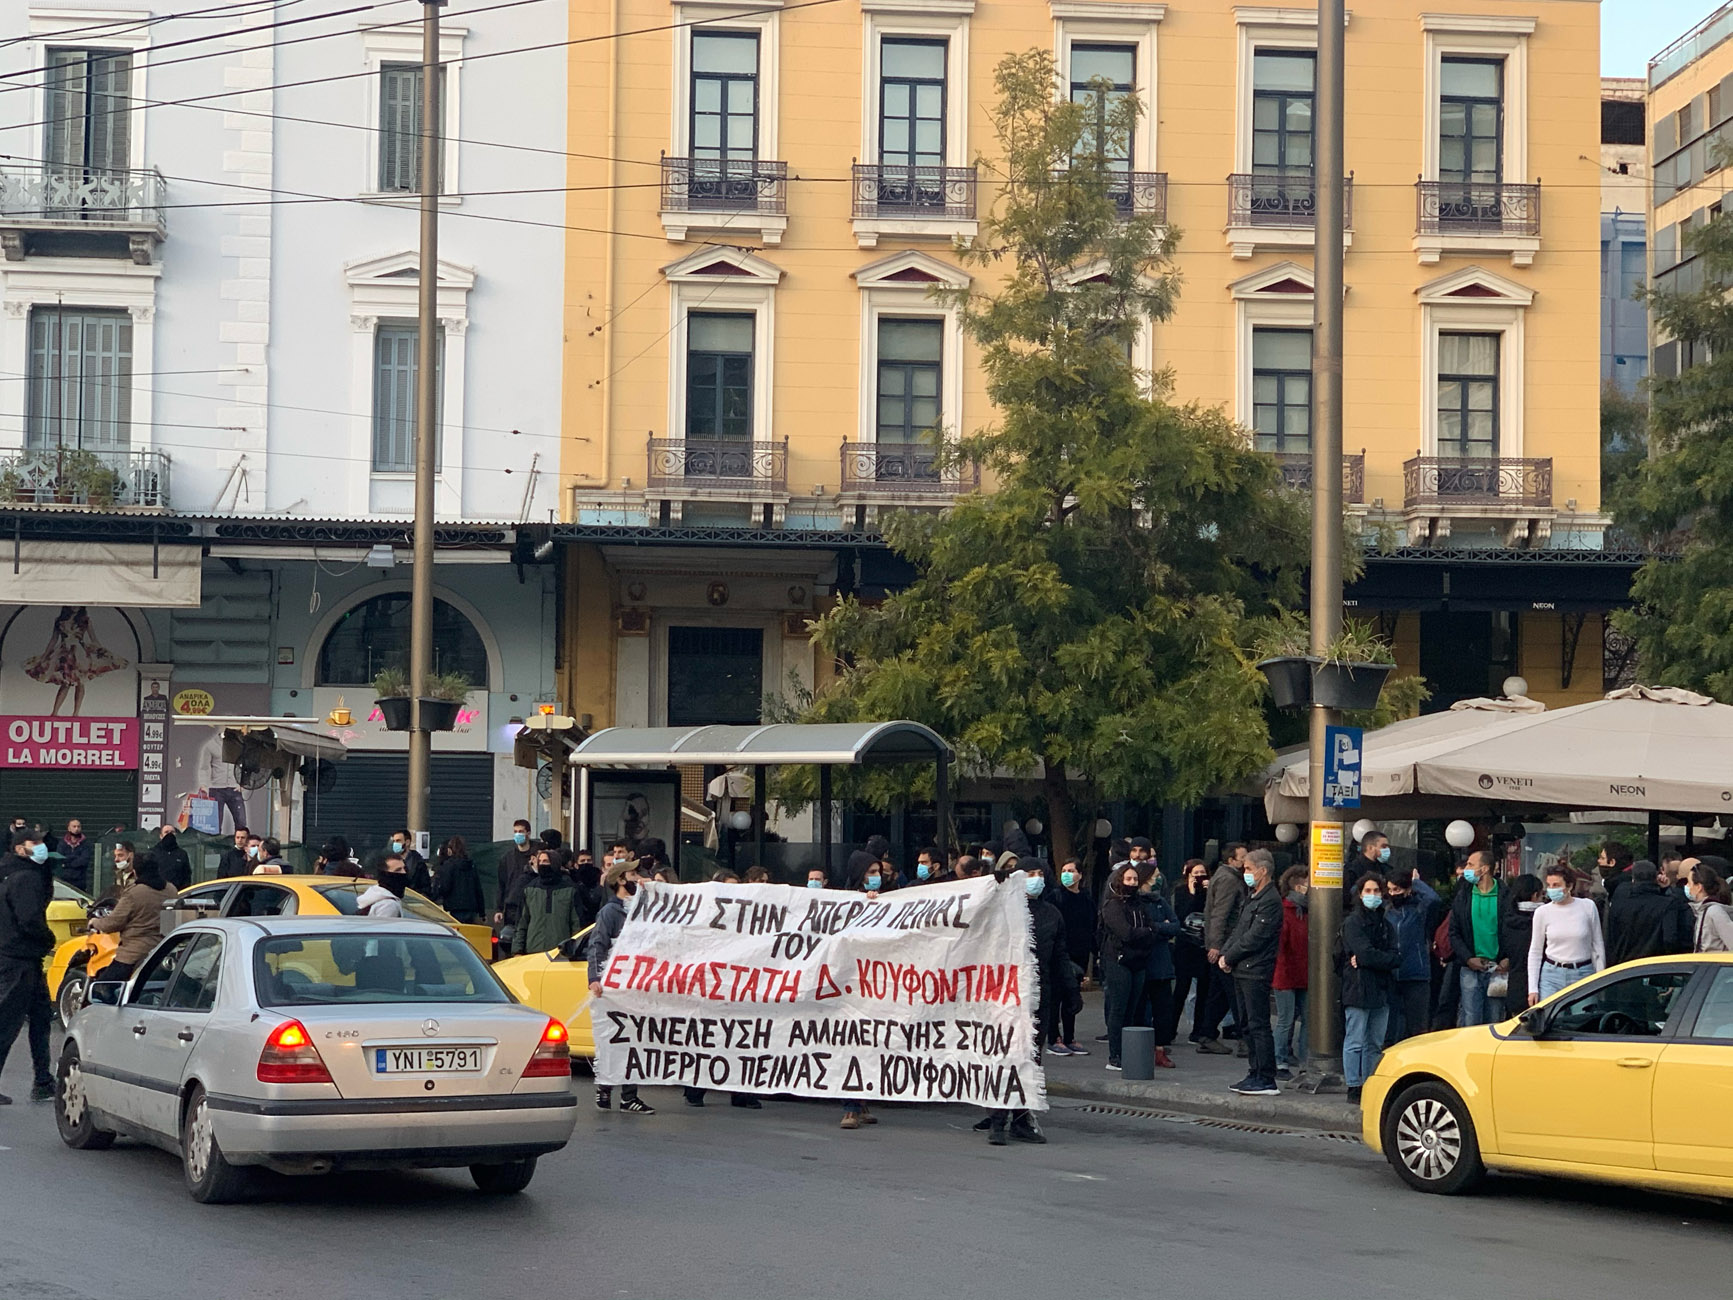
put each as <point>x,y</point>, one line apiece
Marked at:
<point>550,908</point>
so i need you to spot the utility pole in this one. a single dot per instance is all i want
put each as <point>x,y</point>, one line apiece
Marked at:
<point>427,376</point>
<point>1323,1025</point>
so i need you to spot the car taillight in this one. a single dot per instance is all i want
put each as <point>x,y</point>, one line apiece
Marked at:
<point>290,1057</point>
<point>552,1058</point>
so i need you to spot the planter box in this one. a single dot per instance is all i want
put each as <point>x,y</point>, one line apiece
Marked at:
<point>395,710</point>
<point>1353,688</point>
<point>1290,680</point>
<point>439,715</point>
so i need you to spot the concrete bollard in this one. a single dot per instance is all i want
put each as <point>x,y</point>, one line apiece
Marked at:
<point>1138,1052</point>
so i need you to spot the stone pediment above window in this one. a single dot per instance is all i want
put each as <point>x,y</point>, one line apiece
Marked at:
<point>1284,281</point>
<point>1472,285</point>
<point>390,286</point>
<point>736,265</point>
<point>910,269</point>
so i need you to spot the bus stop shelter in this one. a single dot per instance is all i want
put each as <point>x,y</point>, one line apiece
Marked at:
<point>825,746</point>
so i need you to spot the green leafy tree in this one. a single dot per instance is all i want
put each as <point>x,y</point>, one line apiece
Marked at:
<point>1088,615</point>
<point>1679,502</point>
<point>1624,442</point>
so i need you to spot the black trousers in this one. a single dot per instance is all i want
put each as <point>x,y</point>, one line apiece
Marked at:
<point>1254,998</point>
<point>1410,1010</point>
<point>1158,1009</point>
<point>1124,994</point>
<point>24,1003</point>
<point>1222,995</point>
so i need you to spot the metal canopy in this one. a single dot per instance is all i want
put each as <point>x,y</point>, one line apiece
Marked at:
<point>854,744</point>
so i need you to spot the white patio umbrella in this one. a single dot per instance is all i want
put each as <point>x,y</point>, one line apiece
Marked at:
<point>1646,748</point>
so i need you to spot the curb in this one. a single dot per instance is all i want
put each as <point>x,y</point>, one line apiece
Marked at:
<point>1331,1114</point>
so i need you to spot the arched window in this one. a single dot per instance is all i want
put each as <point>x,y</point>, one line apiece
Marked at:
<point>375,635</point>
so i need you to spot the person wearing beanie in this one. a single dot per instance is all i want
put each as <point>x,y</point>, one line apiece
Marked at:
<point>1056,984</point>
<point>621,883</point>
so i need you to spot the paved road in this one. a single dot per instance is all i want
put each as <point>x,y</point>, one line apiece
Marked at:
<point>719,1203</point>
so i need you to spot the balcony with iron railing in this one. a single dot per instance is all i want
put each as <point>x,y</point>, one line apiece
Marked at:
<point>1513,493</point>
<point>894,198</point>
<point>51,209</point>
<point>1139,194</point>
<point>84,477</point>
<point>736,467</point>
<point>1296,467</point>
<point>725,193</point>
<point>880,469</point>
<point>1278,208</point>
<point>1477,216</point>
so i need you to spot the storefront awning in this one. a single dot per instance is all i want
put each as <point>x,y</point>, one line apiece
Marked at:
<point>127,575</point>
<point>853,744</point>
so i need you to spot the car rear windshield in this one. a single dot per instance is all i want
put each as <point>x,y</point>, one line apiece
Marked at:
<point>343,897</point>
<point>325,969</point>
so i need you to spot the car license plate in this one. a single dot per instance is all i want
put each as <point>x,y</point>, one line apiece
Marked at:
<point>426,1060</point>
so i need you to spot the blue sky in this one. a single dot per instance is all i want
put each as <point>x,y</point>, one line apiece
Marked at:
<point>1633,31</point>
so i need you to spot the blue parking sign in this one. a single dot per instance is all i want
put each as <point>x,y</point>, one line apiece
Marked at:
<point>1342,750</point>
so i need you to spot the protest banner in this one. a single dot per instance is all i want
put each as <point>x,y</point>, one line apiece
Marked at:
<point>923,994</point>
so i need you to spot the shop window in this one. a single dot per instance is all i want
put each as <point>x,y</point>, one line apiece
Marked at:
<point>375,635</point>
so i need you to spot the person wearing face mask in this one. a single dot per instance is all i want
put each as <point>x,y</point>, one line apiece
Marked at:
<point>1293,974</point>
<point>1367,955</point>
<point>177,869</point>
<point>1374,853</point>
<point>270,857</point>
<point>1516,933</point>
<point>25,941</point>
<point>1413,914</point>
<point>871,880</point>
<point>816,879</point>
<point>621,884</point>
<point>1126,943</point>
<point>1250,957</point>
<point>1706,888</point>
<point>420,878</point>
<point>234,860</point>
<point>77,856</point>
<point>1227,894</point>
<point>1567,944</point>
<point>1077,909</point>
<point>1056,985</point>
<point>930,867</point>
<point>384,897</point>
<point>1474,942</point>
<point>1158,974</point>
<point>550,908</point>
<point>1644,920</point>
<point>136,918</point>
<point>515,868</point>
<point>1192,967</point>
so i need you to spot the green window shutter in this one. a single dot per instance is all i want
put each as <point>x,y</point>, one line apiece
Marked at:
<point>400,127</point>
<point>110,112</point>
<point>394,371</point>
<point>80,381</point>
<point>64,120</point>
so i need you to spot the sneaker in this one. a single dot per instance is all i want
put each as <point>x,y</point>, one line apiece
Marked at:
<point>1028,1132</point>
<point>694,1099</point>
<point>986,1122</point>
<point>1353,1096</point>
<point>1078,1049</point>
<point>850,1120</point>
<point>1241,1050</point>
<point>1244,1085</point>
<point>746,1103</point>
<point>1101,1038</point>
<point>996,1135</point>
<point>1214,1047</point>
<point>1260,1088</point>
<point>1284,1074</point>
<point>867,1117</point>
<point>636,1107</point>
<point>1115,1066</point>
<point>42,1092</point>
<point>601,1099</point>
<point>1058,1049</point>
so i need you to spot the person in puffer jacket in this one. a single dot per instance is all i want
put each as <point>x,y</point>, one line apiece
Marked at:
<point>622,884</point>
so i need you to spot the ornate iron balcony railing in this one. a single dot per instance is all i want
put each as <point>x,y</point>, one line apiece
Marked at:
<point>891,190</point>
<point>98,480</point>
<point>724,185</point>
<point>731,464</point>
<point>1286,198</point>
<point>55,195</point>
<point>903,468</point>
<point>1142,194</point>
<point>1491,480</point>
<point>1296,470</point>
<point>1477,208</point>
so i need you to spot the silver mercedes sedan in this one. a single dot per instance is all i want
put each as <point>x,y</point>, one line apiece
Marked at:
<point>306,1044</point>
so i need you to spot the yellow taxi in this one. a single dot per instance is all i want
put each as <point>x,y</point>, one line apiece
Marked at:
<point>1618,1079</point>
<point>83,955</point>
<point>556,982</point>
<point>67,909</point>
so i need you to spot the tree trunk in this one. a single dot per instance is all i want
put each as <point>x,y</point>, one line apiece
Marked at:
<point>1057,790</point>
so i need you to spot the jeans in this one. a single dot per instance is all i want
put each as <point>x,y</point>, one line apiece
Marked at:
<point>1474,1007</point>
<point>1410,1001</point>
<point>1253,992</point>
<point>24,1003</point>
<point>230,797</point>
<point>1124,996</point>
<point>1363,1044</point>
<point>1290,1027</point>
<point>1555,979</point>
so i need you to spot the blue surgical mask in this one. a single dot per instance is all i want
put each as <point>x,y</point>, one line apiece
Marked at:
<point>1035,884</point>
<point>923,870</point>
<point>1554,893</point>
<point>815,884</point>
<point>1373,901</point>
<point>873,882</point>
<point>1250,879</point>
<point>1470,875</point>
<point>1068,878</point>
<point>397,846</point>
<point>39,853</point>
<point>1384,854</point>
<point>519,838</point>
<point>252,850</point>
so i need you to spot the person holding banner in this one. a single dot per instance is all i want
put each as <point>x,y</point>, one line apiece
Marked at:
<point>1057,983</point>
<point>609,922</point>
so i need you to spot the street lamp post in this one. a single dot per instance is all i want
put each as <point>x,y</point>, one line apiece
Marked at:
<point>426,422</point>
<point>1323,1025</point>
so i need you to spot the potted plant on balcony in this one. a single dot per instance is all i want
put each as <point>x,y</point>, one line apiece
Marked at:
<point>446,693</point>
<point>11,485</point>
<point>1349,675</point>
<point>85,478</point>
<point>391,686</point>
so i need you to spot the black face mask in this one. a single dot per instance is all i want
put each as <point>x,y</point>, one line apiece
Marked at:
<point>396,881</point>
<point>547,873</point>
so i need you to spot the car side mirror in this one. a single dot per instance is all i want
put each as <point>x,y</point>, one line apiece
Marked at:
<point>1533,1022</point>
<point>106,992</point>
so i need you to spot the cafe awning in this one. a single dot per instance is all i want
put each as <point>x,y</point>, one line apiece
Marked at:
<point>850,744</point>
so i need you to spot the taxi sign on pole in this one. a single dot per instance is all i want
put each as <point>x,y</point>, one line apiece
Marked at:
<point>1342,749</point>
<point>1326,855</point>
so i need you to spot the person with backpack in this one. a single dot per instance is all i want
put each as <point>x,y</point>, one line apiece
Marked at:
<point>1126,942</point>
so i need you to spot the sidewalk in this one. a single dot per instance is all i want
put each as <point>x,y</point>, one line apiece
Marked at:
<point>1198,1084</point>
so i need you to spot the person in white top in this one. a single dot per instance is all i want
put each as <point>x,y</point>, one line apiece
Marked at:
<point>1568,944</point>
<point>1709,897</point>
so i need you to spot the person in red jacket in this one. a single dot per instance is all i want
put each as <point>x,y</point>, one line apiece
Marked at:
<point>1292,974</point>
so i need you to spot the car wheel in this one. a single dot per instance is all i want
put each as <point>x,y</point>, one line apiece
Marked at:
<point>503,1180</point>
<point>72,1115</point>
<point>211,1179</point>
<point>71,997</point>
<point>1430,1142</point>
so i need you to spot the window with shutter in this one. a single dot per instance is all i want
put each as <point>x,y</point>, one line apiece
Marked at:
<point>400,127</point>
<point>80,381</point>
<point>394,369</point>
<point>87,110</point>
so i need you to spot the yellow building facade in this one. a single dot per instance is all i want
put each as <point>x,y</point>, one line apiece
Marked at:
<point>764,195</point>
